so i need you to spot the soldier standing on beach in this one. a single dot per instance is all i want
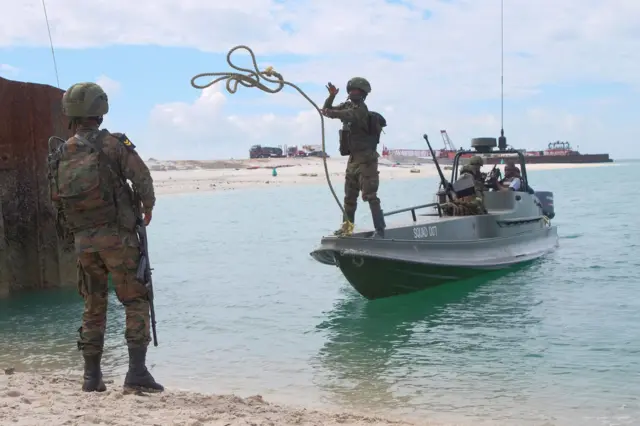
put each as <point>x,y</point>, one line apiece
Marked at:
<point>90,192</point>
<point>359,138</point>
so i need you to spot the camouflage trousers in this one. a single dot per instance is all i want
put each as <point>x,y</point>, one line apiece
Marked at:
<point>93,273</point>
<point>361,176</point>
<point>463,207</point>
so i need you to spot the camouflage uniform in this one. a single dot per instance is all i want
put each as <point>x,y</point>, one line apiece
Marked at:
<point>89,186</point>
<point>360,141</point>
<point>473,204</point>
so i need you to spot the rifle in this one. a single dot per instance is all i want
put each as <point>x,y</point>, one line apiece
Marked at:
<point>445,184</point>
<point>143,274</point>
<point>492,177</point>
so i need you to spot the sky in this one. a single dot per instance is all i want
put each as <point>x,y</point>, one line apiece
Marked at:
<point>571,69</point>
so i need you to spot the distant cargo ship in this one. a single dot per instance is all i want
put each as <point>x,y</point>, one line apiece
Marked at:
<point>557,152</point>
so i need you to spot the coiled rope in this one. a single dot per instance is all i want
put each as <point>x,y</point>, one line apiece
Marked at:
<point>252,79</point>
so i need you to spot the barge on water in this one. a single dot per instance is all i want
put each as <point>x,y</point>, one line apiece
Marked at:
<point>561,152</point>
<point>558,152</point>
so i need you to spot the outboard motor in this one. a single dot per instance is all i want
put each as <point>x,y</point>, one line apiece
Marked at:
<point>546,199</point>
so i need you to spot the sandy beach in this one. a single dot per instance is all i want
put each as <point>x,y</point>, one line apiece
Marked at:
<point>28,399</point>
<point>171,177</point>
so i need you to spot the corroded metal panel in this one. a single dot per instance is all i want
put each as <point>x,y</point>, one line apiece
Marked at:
<point>31,257</point>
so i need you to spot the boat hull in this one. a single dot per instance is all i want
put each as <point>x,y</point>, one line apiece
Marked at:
<point>431,250</point>
<point>382,268</point>
<point>379,278</point>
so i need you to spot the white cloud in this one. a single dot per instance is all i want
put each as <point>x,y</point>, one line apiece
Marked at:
<point>450,59</point>
<point>204,130</point>
<point>581,38</point>
<point>109,85</point>
<point>8,70</point>
<point>112,89</point>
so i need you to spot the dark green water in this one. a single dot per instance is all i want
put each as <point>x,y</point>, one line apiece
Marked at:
<point>243,308</point>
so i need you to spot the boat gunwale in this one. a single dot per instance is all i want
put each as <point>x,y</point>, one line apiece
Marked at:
<point>366,236</point>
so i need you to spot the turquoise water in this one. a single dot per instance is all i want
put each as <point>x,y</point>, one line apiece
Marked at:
<point>243,308</point>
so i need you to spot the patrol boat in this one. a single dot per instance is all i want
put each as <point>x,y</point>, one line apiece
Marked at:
<point>432,249</point>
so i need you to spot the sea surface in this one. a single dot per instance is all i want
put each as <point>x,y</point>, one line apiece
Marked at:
<point>243,308</point>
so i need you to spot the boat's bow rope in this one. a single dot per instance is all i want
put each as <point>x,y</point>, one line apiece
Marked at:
<point>252,79</point>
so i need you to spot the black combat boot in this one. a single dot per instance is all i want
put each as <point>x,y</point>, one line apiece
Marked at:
<point>138,377</point>
<point>378,220</point>
<point>92,374</point>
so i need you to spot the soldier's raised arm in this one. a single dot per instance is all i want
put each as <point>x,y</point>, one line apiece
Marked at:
<point>358,89</point>
<point>349,115</point>
<point>328,103</point>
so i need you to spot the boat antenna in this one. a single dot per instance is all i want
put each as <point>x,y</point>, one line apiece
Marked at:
<point>53,53</point>
<point>502,141</point>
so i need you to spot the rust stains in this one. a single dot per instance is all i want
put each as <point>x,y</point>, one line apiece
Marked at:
<point>30,255</point>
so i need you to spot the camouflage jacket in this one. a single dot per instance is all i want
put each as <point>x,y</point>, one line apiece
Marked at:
<point>99,205</point>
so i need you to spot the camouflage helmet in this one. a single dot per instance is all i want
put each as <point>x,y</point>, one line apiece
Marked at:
<point>85,100</point>
<point>476,160</point>
<point>359,83</point>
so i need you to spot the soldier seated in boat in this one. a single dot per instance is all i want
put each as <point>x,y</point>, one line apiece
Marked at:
<point>512,180</point>
<point>470,191</point>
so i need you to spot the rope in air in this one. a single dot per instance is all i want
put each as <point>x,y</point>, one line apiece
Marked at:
<point>252,79</point>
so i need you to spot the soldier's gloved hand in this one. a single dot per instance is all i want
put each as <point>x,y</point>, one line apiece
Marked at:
<point>333,90</point>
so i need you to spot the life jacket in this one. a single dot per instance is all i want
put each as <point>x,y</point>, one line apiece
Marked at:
<point>84,182</point>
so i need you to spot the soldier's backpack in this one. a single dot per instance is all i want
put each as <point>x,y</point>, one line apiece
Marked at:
<point>376,124</point>
<point>84,184</point>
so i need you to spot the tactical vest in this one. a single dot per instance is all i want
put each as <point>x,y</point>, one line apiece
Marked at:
<point>479,189</point>
<point>84,183</point>
<point>360,137</point>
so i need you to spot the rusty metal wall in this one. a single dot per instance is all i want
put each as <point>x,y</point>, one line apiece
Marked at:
<point>30,254</point>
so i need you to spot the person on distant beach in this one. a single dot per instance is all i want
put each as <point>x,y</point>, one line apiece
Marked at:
<point>359,139</point>
<point>472,204</point>
<point>89,189</point>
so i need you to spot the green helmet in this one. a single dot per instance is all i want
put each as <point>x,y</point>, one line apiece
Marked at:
<point>359,83</point>
<point>85,100</point>
<point>476,160</point>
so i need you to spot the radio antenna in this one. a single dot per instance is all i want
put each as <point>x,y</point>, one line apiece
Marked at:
<point>502,140</point>
<point>53,53</point>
